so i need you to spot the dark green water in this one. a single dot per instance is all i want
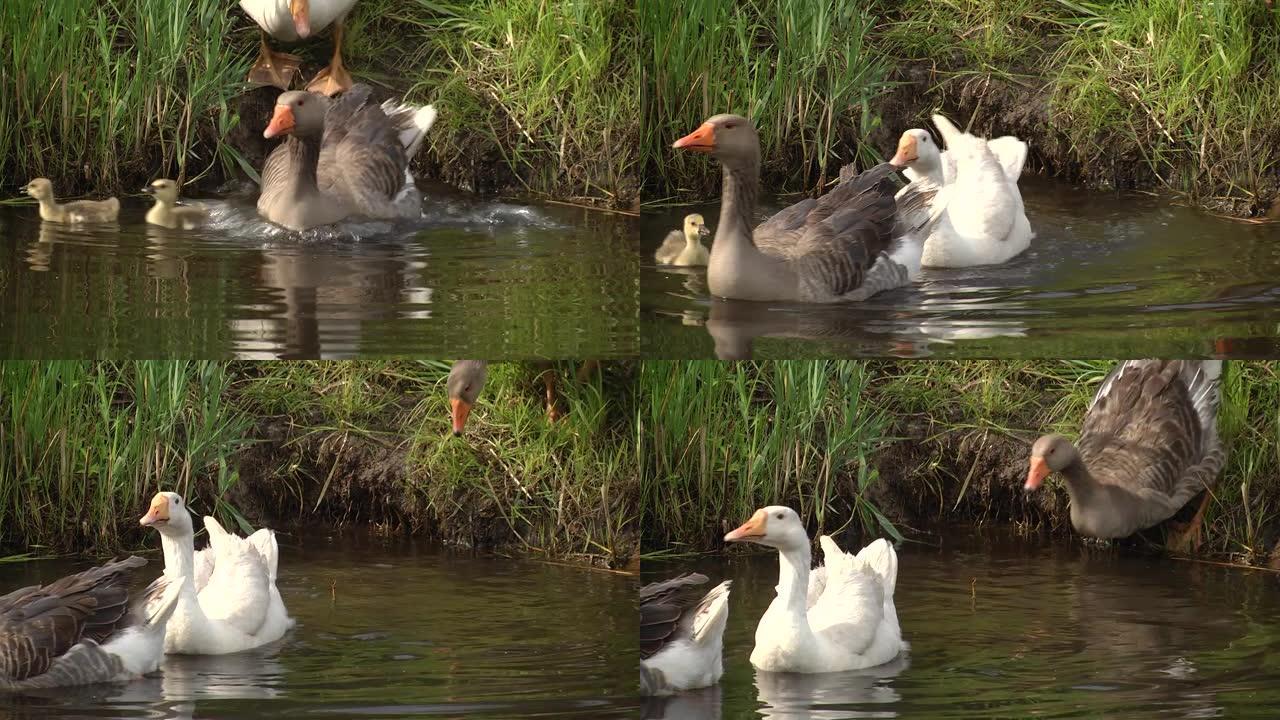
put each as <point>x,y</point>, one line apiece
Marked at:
<point>1108,275</point>
<point>1002,627</point>
<point>393,632</point>
<point>472,278</point>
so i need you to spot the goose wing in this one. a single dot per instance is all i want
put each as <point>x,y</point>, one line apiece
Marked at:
<point>662,605</point>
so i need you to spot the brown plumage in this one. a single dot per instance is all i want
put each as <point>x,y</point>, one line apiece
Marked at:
<point>1148,445</point>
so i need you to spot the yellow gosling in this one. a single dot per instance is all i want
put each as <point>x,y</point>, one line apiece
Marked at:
<point>167,213</point>
<point>77,211</point>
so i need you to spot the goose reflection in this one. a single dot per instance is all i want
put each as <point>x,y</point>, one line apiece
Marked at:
<point>830,696</point>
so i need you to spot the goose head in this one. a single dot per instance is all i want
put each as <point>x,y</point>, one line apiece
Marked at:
<point>694,227</point>
<point>466,379</point>
<point>1051,453</point>
<point>168,515</point>
<point>40,189</point>
<point>298,113</point>
<point>776,526</point>
<point>301,12</point>
<point>731,139</point>
<point>918,151</point>
<point>166,191</point>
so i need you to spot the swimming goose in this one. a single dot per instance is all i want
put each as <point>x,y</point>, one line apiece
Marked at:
<point>681,635</point>
<point>229,601</point>
<point>845,245</point>
<point>76,211</point>
<point>685,248</point>
<point>167,213</point>
<point>979,211</point>
<point>1148,445</point>
<point>466,380</point>
<point>79,630</point>
<point>342,157</point>
<point>842,618</point>
<point>290,20</point>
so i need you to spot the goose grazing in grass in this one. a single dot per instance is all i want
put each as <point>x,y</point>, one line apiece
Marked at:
<point>980,219</point>
<point>681,634</point>
<point>79,630</point>
<point>1148,445</point>
<point>76,211</point>
<point>844,246</point>
<point>841,618</point>
<point>343,157</point>
<point>466,380</point>
<point>291,20</point>
<point>167,213</point>
<point>684,248</point>
<point>229,601</point>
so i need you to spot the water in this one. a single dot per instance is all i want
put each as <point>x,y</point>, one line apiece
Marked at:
<point>1001,626</point>
<point>474,278</point>
<point>1108,275</point>
<point>393,631</point>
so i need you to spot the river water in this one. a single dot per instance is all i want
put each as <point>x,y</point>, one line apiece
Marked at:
<point>392,630</point>
<point>1008,627</point>
<point>1108,275</point>
<point>473,277</point>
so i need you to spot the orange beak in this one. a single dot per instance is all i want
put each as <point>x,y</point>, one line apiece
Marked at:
<point>158,512</point>
<point>301,12</point>
<point>702,140</point>
<point>1036,475</point>
<point>461,411</point>
<point>751,529</point>
<point>907,151</point>
<point>281,122</point>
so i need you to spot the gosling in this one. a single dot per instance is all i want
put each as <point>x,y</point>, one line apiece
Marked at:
<point>685,248</point>
<point>166,213</point>
<point>77,211</point>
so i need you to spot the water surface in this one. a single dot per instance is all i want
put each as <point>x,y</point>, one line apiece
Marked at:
<point>1002,627</point>
<point>392,631</point>
<point>1108,275</point>
<point>472,277</point>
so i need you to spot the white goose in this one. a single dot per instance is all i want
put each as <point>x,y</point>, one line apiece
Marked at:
<point>229,601</point>
<point>681,635</point>
<point>981,219</point>
<point>838,618</point>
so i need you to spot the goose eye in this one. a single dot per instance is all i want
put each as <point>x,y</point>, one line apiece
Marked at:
<point>779,516</point>
<point>730,126</point>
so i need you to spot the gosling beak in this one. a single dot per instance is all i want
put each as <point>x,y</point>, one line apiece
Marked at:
<point>150,190</point>
<point>1036,474</point>
<point>704,231</point>
<point>282,122</point>
<point>702,140</point>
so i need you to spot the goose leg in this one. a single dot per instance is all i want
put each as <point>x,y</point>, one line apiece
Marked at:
<point>274,68</point>
<point>549,383</point>
<point>335,78</point>
<point>1187,538</point>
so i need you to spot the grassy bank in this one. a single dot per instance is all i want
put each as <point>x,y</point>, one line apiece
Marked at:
<point>862,446</point>
<point>84,446</point>
<point>1165,94</point>
<point>534,96</point>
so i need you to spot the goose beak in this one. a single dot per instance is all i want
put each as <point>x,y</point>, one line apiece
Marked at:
<point>301,12</point>
<point>282,122</point>
<point>1036,474</point>
<point>751,529</point>
<point>701,140</point>
<point>159,512</point>
<point>907,151</point>
<point>461,411</point>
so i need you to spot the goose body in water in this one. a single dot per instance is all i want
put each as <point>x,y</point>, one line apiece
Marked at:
<point>229,601</point>
<point>341,158</point>
<point>845,245</point>
<point>1148,445</point>
<point>681,635</point>
<point>837,617</point>
<point>80,630</point>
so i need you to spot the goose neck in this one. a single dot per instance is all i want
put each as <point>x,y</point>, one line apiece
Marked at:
<point>179,556</point>
<point>793,579</point>
<point>738,202</point>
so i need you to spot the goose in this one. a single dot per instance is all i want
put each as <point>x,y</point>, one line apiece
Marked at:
<point>466,380</point>
<point>681,635</point>
<point>342,157</point>
<point>980,219</point>
<point>76,211</point>
<point>79,630</point>
<point>843,246</point>
<point>167,213</point>
<point>290,20</point>
<point>229,601</point>
<point>1148,445</point>
<point>684,248</point>
<point>841,617</point>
